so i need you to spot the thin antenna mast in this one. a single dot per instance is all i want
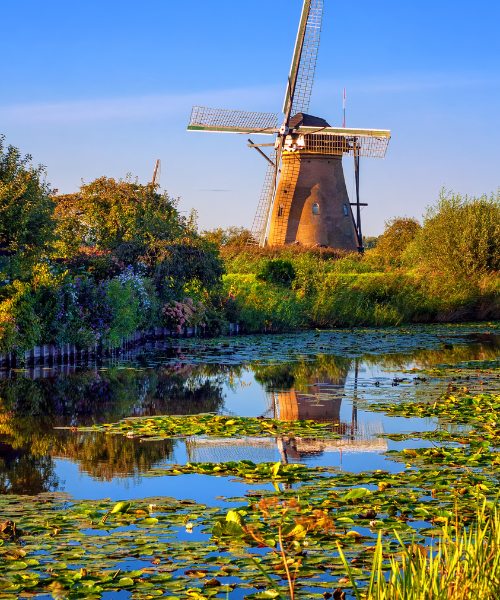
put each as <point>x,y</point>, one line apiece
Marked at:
<point>343,122</point>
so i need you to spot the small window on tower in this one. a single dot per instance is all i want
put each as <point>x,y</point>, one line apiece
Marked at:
<point>345,210</point>
<point>315,208</point>
<point>280,210</point>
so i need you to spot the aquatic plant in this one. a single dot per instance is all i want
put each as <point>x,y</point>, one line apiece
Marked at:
<point>465,565</point>
<point>213,425</point>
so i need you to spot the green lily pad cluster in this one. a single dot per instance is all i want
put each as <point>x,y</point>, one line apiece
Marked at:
<point>82,549</point>
<point>156,428</point>
<point>246,470</point>
<point>280,348</point>
<point>480,411</point>
<point>460,370</point>
<point>163,547</point>
<point>76,549</point>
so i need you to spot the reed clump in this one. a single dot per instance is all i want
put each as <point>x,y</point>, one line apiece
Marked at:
<point>464,565</point>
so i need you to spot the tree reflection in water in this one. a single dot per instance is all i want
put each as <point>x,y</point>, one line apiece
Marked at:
<point>309,388</point>
<point>31,408</point>
<point>24,473</point>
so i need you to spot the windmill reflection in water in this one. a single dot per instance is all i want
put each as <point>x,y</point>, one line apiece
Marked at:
<point>319,400</point>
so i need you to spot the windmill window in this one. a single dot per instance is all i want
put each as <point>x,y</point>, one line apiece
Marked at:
<point>315,208</point>
<point>345,210</point>
<point>280,210</point>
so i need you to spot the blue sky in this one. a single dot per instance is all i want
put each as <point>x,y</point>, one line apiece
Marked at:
<point>106,88</point>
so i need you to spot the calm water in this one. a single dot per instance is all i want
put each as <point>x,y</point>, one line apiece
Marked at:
<point>329,376</point>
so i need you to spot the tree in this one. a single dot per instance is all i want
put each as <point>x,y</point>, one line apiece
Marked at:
<point>142,227</point>
<point>370,242</point>
<point>26,212</point>
<point>108,213</point>
<point>236,237</point>
<point>399,232</point>
<point>461,235</point>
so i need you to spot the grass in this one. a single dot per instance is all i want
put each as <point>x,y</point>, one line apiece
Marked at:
<point>331,289</point>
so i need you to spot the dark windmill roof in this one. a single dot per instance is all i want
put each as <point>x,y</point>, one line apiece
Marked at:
<point>307,121</point>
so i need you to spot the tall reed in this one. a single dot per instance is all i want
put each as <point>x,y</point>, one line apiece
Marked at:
<point>465,565</point>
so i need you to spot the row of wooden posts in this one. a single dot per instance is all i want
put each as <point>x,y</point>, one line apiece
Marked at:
<point>68,353</point>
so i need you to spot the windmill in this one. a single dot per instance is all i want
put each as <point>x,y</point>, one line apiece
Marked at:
<point>304,199</point>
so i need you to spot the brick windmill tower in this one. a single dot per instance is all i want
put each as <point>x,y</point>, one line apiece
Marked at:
<point>304,199</point>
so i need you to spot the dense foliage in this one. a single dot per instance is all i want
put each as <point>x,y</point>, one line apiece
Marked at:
<point>445,270</point>
<point>116,257</point>
<point>461,236</point>
<point>237,237</point>
<point>399,232</point>
<point>277,271</point>
<point>96,266</point>
<point>26,212</point>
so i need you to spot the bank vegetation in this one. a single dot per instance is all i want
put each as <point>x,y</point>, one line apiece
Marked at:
<point>118,257</point>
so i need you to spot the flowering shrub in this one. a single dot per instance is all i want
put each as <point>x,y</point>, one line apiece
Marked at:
<point>83,312</point>
<point>183,314</point>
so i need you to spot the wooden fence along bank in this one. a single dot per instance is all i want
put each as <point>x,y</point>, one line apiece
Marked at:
<point>69,353</point>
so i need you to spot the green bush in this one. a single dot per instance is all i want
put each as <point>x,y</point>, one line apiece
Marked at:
<point>250,259</point>
<point>399,233</point>
<point>265,307</point>
<point>18,310</point>
<point>8,328</point>
<point>460,237</point>
<point>124,305</point>
<point>277,271</point>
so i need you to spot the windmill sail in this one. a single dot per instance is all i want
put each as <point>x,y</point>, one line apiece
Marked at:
<point>232,121</point>
<point>298,94</point>
<point>301,135</point>
<point>157,173</point>
<point>300,80</point>
<point>264,207</point>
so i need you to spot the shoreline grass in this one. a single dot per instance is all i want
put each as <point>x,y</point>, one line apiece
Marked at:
<point>465,565</point>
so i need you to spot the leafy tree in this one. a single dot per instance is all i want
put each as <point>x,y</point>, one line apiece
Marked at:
<point>399,232</point>
<point>140,227</point>
<point>26,212</point>
<point>461,235</point>
<point>236,237</point>
<point>108,213</point>
<point>370,242</point>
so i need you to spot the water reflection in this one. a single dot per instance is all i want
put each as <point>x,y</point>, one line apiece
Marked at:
<point>24,473</point>
<point>325,388</point>
<point>31,408</point>
<point>316,391</point>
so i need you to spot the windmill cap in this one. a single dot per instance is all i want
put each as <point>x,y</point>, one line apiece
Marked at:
<point>307,121</point>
